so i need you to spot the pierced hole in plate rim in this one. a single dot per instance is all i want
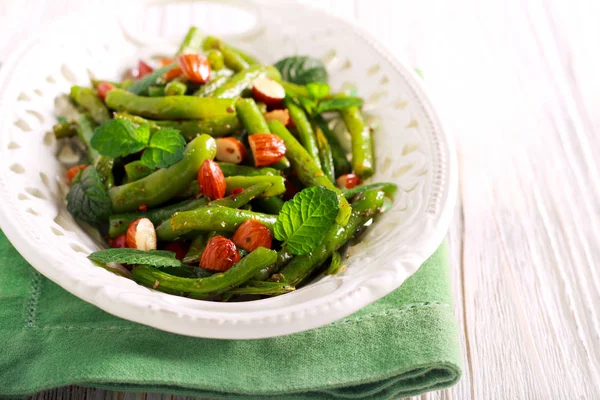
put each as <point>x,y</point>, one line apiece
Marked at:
<point>22,196</point>
<point>79,249</point>
<point>49,138</point>
<point>23,97</point>
<point>56,231</point>
<point>13,146</point>
<point>17,168</point>
<point>36,114</point>
<point>35,192</point>
<point>22,125</point>
<point>50,79</point>
<point>38,92</point>
<point>32,211</point>
<point>67,73</point>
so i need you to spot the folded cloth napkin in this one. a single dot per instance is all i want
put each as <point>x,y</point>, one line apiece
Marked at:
<point>402,345</point>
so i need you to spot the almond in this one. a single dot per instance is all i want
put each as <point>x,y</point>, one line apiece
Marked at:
<point>268,91</point>
<point>172,74</point>
<point>266,148</point>
<point>230,150</point>
<point>103,89</point>
<point>252,234</point>
<point>143,69</point>
<point>211,180</point>
<point>219,255</point>
<point>141,235</point>
<point>236,191</point>
<point>347,181</point>
<point>179,248</point>
<point>194,67</point>
<point>119,242</point>
<point>282,116</point>
<point>72,172</point>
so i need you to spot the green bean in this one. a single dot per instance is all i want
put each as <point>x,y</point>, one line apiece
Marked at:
<point>340,161</point>
<point>262,107</point>
<point>263,288</point>
<point>156,90</point>
<point>294,90</point>
<point>272,205</point>
<point>283,257</point>
<point>196,249</point>
<point>244,170</point>
<point>325,155</point>
<point>232,58</point>
<point>243,80</point>
<point>170,107</point>
<point>221,219</point>
<point>175,88</point>
<point>104,165</point>
<point>335,265</point>
<point>136,170</point>
<point>305,130</point>
<point>118,223</point>
<point>89,100</point>
<point>141,85</point>
<point>217,127</point>
<point>165,183</point>
<point>215,59</point>
<point>216,80</point>
<point>282,164</point>
<point>96,82</point>
<point>244,197</point>
<point>277,182</point>
<point>363,160</point>
<point>254,122</point>
<point>300,267</point>
<point>64,129</point>
<point>192,43</point>
<point>191,190</point>
<point>387,187</point>
<point>201,288</point>
<point>125,84</point>
<point>308,171</point>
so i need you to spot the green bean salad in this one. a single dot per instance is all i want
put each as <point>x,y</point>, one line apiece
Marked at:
<point>216,177</point>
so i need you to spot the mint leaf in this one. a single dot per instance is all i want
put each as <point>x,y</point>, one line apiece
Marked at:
<point>119,137</point>
<point>302,70</point>
<point>155,258</point>
<point>165,148</point>
<point>88,199</point>
<point>303,222</point>
<point>317,90</point>
<point>338,103</point>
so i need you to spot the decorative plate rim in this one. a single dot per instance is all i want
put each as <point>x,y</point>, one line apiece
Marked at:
<point>182,319</point>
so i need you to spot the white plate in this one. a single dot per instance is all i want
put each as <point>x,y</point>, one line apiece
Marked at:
<point>411,150</point>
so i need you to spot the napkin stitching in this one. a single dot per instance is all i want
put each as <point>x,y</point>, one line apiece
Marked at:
<point>396,311</point>
<point>30,321</point>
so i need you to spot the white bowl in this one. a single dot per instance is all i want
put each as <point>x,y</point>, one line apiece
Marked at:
<point>411,150</point>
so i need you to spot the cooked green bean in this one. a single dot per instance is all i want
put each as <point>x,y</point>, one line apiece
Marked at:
<point>96,82</point>
<point>141,85</point>
<point>165,183</point>
<point>294,90</point>
<point>335,265</point>
<point>169,107</point>
<point>136,170</point>
<point>89,100</point>
<point>201,288</point>
<point>305,130</point>
<point>244,197</point>
<point>192,43</point>
<point>244,170</point>
<point>271,205</point>
<point>308,171</point>
<point>300,267</point>
<point>243,80</point>
<point>325,155</point>
<point>277,182</point>
<point>388,188</point>
<point>263,288</point>
<point>196,249</point>
<point>340,161</point>
<point>232,58</point>
<point>216,80</point>
<point>156,90</point>
<point>283,257</point>
<point>215,59</point>
<point>221,219</point>
<point>64,129</point>
<point>118,223</point>
<point>217,127</point>
<point>104,165</point>
<point>363,159</point>
<point>175,88</point>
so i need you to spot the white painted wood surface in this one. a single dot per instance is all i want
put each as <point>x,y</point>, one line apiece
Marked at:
<point>518,85</point>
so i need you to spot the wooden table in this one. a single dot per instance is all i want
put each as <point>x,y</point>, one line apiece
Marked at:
<point>517,83</point>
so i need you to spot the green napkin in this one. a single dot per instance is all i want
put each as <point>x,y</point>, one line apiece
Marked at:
<point>402,345</point>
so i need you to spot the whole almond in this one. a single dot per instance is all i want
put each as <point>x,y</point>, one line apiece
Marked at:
<point>230,150</point>
<point>211,180</point>
<point>252,234</point>
<point>266,148</point>
<point>141,235</point>
<point>219,255</point>
<point>194,67</point>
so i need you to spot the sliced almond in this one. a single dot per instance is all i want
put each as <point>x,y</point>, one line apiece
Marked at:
<point>141,235</point>
<point>230,150</point>
<point>282,116</point>
<point>268,91</point>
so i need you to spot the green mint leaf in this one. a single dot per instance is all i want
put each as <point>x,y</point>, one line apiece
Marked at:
<point>141,85</point>
<point>303,222</point>
<point>88,199</point>
<point>302,70</point>
<point>338,103</point>
<point>165,148</point>
<point>119,137</point>
<point>317,90</point>
<point>155,258</point>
